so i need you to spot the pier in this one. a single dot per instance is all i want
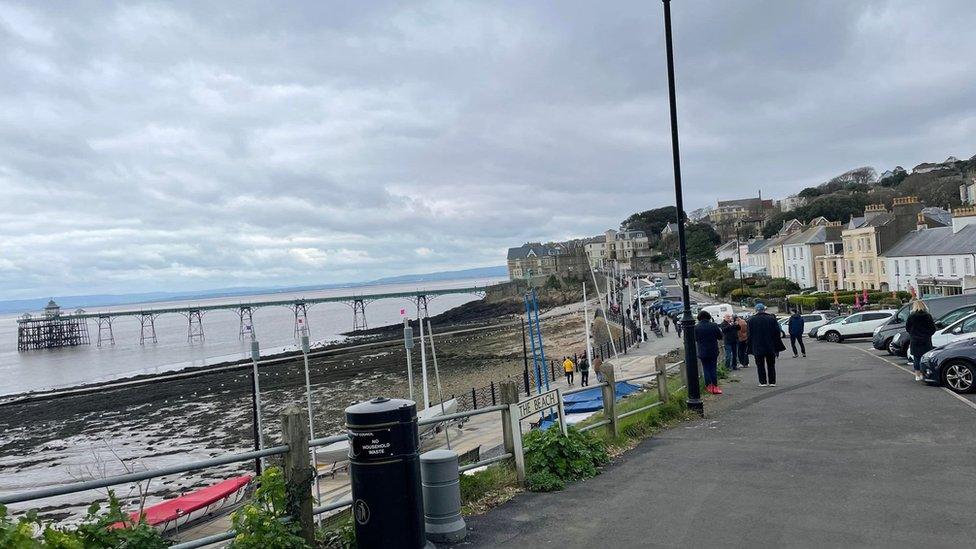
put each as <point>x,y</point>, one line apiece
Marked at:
<point>58,329</point>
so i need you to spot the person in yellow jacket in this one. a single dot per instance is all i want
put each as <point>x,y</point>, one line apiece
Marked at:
<point>569,368</point>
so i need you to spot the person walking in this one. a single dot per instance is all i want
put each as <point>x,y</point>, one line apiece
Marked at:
<point>920,327</point>
<point>677,327</point>
<point>796,332</point>
<point>707,336</point>
<point>568,368</point>
<point>667,325</point>
<point>743,345</point>
<point>584,370</point>
<point>730,336</point>
<point>765,343</point>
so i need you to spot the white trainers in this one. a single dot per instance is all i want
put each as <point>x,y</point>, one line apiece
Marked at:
<point>762,384</point>
<point>772,384</point>
<point>918,376</point>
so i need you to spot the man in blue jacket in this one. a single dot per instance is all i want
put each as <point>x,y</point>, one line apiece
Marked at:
<point>796,333</point>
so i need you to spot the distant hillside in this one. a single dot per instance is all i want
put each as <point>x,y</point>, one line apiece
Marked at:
<point>935,184</point>
<point>105,300</point>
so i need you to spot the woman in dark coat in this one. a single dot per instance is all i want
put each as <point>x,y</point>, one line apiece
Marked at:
<point>707,336</point>
<point>920,327</point>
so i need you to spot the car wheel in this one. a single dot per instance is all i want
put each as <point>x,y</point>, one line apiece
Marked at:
<point>959,377</point>
<point>833,337</point>
<point>890,346</point>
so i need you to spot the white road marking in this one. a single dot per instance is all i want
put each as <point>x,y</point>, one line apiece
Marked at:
<point>958,397</point>
<point>961,398</point>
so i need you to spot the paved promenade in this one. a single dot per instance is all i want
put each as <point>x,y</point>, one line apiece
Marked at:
<point>846,452</point>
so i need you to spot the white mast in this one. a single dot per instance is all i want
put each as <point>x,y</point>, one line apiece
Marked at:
<point>586,324</point>
<point>423,355</point>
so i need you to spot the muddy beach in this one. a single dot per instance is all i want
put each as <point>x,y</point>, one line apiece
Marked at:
<point>174,421</point>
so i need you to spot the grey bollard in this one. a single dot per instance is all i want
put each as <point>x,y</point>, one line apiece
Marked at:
<point>442,496</point>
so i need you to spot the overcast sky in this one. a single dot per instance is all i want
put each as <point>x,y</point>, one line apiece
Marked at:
<point>176,146</point>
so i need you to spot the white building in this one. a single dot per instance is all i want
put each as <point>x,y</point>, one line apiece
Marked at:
<point>800,252</point>
<point>936,261</point>
<point>791,203</point>
<point>618,246</point>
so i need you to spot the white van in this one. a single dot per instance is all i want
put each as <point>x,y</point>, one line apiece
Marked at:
<point>718,311</point>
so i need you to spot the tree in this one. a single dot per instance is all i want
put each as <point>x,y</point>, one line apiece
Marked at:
<point>810,192</point>
<point>700,238</point>
<point>652,221</point>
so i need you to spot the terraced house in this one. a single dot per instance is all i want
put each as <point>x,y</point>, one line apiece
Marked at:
<point>936,261</point>
<point>866,238</point>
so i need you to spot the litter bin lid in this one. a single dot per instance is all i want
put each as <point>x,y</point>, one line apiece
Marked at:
<point>438,456</point>
<point>381,410</point>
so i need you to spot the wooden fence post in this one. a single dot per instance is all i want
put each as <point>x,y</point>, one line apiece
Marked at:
<point>610,397</point>
<point>661,366</point>
<point>299,474</point>
<point>509,395</point>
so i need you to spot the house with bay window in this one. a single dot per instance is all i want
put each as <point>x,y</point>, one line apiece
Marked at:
<point>936,261</point>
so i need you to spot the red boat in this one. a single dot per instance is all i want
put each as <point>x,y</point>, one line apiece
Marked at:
<point>195,505</point>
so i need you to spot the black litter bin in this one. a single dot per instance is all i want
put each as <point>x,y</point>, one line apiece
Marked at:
<point>384,464</point>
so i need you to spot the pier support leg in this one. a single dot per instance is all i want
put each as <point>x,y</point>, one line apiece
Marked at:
<point>301,319</point>
<point>359,315</point>
<point>105,333</point>
<point>194,326</point>
<point>246,315</point>
<point>147,328</point>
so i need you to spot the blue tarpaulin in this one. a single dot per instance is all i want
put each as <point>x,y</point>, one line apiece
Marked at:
<point>589,400</point>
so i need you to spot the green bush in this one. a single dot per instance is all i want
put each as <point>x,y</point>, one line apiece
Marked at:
<point>553,283</point>
<point>258,523</point>
<point>739,293</point>
<point>339,536</point>
<point>782,284</point>
<point>544,481</point>
<point>723,287</point>
<point>549,454</point>
<point>95,531</point>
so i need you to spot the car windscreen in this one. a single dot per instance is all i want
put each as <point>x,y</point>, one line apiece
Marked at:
<point>955,315</point>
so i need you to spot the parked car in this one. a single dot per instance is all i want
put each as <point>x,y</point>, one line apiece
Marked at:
<point>658,280</point>
<point>856,325</point>
<point>673,276</point>
<point>899,344</point>
<point>964,328</point>
<point>938,307</point>
<point>810,320</point>
<point>952,366</point>
<point>718,310</point>
<point>835,320</point>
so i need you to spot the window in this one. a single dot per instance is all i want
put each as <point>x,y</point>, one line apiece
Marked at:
<point>859,244</point>
<point>855,318</point>
<point>881,264</point>
<point>952,266</point>
<point>938,265</point>
<point>812,318</point>
<point>968,325</point>
<point>906,267</point>
<point>918,266</point>
<point>969,266</point>
<point>801,253</point>
<point>897,272</point>
<point>876,316</point>
<point>803,272</point>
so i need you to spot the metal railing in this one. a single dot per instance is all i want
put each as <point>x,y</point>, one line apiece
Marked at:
<point>83,486</point>
<point>511,433</point>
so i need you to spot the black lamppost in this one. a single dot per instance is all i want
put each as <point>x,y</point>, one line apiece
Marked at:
<point>687,322</point>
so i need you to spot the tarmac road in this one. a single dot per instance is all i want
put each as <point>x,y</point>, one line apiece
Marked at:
<point>848,451</point>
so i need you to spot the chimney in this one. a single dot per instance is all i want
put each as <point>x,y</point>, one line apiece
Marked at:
<point>921,224</point>
<point>873,210</point>
<point>833,224</point>
<point>962,217</point>
<point>903,204</point>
